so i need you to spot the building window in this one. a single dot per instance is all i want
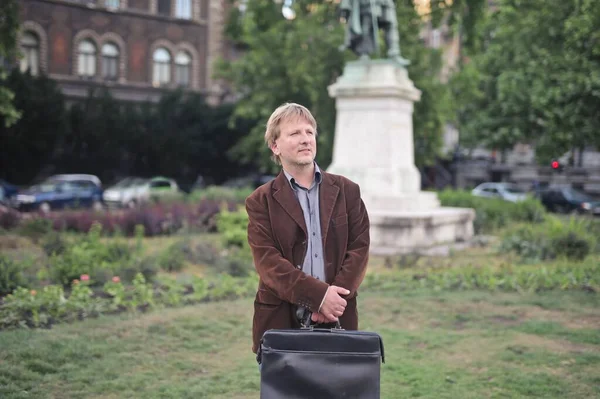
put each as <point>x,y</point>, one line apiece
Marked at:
<point>30,47</point>
<point>110,61</point>
<point>112,4</point>
<point>164,7</point>
<point>87,58</point>
<point>183,66</point>
<point>183,9</point>
<point>162,67</point>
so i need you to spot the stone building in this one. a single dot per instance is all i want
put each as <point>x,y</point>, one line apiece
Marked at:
<point>137,48</point>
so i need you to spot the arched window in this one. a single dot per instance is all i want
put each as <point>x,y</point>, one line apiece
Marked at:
<point>183,9</point>
<point>30,47</point>
<point>110,61</point>
<point>161,73</point>
<point>183,68</point>
<point>87,58</point>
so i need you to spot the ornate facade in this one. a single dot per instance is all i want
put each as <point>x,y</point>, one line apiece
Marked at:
<point>137,48</point>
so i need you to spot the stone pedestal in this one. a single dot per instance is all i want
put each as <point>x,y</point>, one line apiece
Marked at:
<point>374,147</point>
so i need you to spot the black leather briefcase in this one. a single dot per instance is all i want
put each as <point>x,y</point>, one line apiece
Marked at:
<point>316,363</point>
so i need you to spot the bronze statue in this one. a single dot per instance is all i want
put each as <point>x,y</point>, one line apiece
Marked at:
<point>363,19</point>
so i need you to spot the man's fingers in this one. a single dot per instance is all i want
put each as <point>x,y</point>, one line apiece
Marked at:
<point>340,290</point>
<point>331,317</point>
<point>314,317</point>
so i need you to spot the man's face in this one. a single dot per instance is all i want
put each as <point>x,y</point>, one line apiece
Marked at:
<point>296,144</point>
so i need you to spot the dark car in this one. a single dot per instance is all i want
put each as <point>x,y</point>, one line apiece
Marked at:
<point>7,192</point>
<point>62,191</point>
<point>569,200</point>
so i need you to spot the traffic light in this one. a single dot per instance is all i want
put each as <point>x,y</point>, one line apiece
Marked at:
<point>556,166</point>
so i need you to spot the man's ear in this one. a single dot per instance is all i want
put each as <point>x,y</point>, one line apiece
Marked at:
<point>274,148</point>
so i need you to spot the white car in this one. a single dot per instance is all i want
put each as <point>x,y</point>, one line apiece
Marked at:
<point>505,191</point>
<point>133,191</point>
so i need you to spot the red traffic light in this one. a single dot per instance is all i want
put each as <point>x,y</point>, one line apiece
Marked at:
<point>555,165</point>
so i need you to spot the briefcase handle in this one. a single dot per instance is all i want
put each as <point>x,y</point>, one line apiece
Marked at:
<point>305,322</point>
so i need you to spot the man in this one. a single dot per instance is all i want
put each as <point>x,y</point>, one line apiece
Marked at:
<point>308,231</point>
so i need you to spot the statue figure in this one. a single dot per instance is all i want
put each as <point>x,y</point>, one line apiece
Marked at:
<point>363,19</point>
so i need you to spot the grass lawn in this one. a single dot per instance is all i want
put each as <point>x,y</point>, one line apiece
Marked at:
<point>438,345</point>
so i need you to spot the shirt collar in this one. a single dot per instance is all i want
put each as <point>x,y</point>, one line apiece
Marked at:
<point>317,179</point>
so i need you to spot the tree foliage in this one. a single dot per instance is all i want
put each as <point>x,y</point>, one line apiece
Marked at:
<point>181,136</point>
<point>9,27</point>
<point>537,80</point>
<point>296,60</point>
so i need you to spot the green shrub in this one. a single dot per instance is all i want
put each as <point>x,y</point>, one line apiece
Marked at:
<point>172,259</point>
<point>220,193</point>
<point>494,213</point>
<point>233,227</point>
<point>146,265</point>
<point>35,228</point>
<point>87,254</point>
<point>237,262</point>
<point>551,239</point>
<point>11,275</point>
<point>571,245</point>
<point>53,243</point>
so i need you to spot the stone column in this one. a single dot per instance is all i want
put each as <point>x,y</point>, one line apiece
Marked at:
<point>374,147</point>
<point>373,143</point>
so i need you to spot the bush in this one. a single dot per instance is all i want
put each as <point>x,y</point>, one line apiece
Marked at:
<point>9,218</point>
<point>88,255</point>
<point>233,227</point>
<point>172,259</point>
<point>494,213</point>
<point>550,240</point>
<point>35,228</point>
<point>147,266</point>
<point>220,193</point>
<point>53,244</point>
<point>236,262</point>
<point>11,275</point>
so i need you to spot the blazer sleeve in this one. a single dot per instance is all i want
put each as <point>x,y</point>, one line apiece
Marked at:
<point>354,266</point>
<point>288,282</point>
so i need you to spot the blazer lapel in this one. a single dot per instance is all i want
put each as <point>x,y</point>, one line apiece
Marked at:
<point>328,195</point>
<point>283,194</point>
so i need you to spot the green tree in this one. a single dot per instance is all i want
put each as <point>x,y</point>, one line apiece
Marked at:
<point>296,60</point>
<point>538,79</point>
<point>9,27</point>
<point>285,61</point>
<point>34,140</point>
<point>181,136</point>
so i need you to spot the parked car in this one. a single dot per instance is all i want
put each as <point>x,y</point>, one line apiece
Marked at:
<point>133,191</point>
<point>7,192</point>
<point>566,199</point>
<point>62,191</point>
<point>505,191</point>
<point>127,193</point>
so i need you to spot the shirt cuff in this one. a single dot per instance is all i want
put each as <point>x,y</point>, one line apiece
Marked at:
<point>323,301</point>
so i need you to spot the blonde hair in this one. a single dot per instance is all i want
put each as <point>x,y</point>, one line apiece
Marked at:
<point>286,112</point>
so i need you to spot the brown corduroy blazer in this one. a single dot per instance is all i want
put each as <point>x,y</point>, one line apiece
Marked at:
<point>277,235</point>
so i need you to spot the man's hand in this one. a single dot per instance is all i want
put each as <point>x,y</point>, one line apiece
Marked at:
<point>318,318</point>
<point>333,305</point>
